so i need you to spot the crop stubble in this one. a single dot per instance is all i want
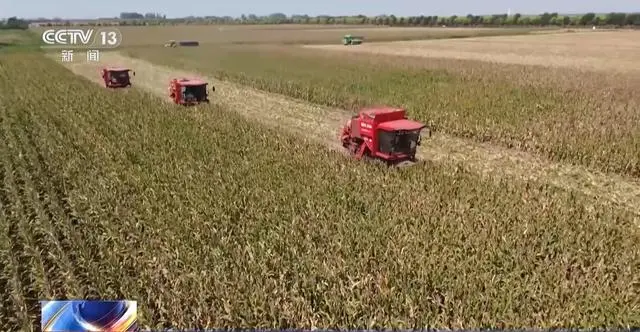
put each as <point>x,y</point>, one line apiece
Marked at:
<point>193,213</point>
<point>617,51</point>
<point>215,34</point>
<point>323,124</point>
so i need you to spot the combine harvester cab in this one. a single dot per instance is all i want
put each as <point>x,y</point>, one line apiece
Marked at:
<point>116,77</point>
<point>384,134</point>
<point>189,92</point>
<point>352,40</point>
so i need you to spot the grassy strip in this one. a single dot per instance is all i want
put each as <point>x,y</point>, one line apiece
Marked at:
<point>18,41</point>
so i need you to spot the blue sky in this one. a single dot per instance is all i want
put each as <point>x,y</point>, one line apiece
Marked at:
<point>173,8</point>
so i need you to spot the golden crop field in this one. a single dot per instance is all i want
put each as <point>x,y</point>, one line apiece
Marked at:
<point>245,212</point>
<point>616,50</point>
<point>213,34</point>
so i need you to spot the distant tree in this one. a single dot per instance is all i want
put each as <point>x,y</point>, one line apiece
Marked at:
<point>632,19</point>
<point>545,19</point>
<point>278,18</point>
<point>131,16</point>
<point>15,23</point>
<point>587,18</point>
<point>394,19</point>
<point>615,19</point>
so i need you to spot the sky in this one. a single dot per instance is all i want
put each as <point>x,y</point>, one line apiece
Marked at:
<point>172,8</point>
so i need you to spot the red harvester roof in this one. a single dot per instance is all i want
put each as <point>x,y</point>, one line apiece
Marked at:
<point>117,68</point>
<point>380,110</point>
<point>191,81</point>
<point>401,125</point>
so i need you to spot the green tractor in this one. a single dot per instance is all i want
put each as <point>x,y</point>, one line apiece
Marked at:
<point>352,40</point>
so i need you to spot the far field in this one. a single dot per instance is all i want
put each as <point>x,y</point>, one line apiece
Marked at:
<point>585,116</point>
<point>606,51</point>
<point>288,34</point>
<point>525,210</point>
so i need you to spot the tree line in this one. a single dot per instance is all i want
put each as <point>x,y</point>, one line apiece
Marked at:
<point>542,20</point>
<point>14,23</point>
<point>545,19</point>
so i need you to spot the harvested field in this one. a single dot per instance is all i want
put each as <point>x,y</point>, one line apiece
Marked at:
<point>212,34</point>
<point>194,214</point>
<point>602,51</point>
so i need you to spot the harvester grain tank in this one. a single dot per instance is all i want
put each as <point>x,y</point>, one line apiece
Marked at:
<point>352,40</point>
<point>382,133</point>
<point>116,77</point>
<point>189,91</point>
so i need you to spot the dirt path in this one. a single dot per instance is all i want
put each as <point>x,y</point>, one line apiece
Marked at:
<point>323,125</point>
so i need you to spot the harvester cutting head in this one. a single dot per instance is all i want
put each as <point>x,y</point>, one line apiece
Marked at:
<point>187,91</point>
<point>382,133</point>
<point>116,77</point>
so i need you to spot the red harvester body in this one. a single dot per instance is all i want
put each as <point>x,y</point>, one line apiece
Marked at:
<point>382,133</point>
<point>187,92</point>
<point>116,77</point>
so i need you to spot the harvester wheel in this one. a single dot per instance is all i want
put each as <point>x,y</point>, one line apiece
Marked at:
<point>355,146</point>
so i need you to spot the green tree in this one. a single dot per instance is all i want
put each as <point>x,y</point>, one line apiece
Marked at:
<point>587,18</point>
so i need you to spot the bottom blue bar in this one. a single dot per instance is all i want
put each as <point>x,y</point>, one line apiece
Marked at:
<point>89,315</point>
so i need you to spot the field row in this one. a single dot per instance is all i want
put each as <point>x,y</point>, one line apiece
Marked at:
<point>322,124</point>
<point>597,128</point>
<point>193,214</point>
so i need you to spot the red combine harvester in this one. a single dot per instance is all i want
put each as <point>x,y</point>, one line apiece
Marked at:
<point>189,91</point>
<point>116,77</point>
<point>382,133</point>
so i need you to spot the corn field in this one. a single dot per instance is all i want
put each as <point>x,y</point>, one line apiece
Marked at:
<point>210,220</point>
<point>583,118</point>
